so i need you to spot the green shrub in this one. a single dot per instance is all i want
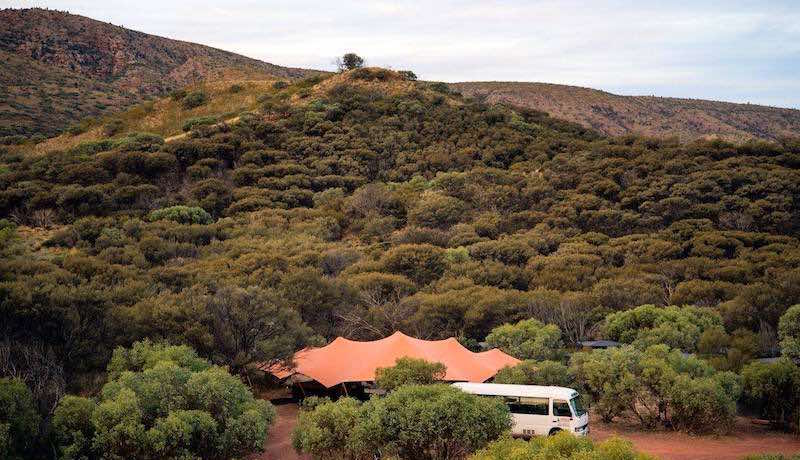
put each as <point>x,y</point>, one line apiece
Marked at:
<point>407,75</point>
<point>194,99</point>
<point>413,422</point>
<point>113,127</point>
<point>532,372</point>
<point>19,420</point>
<point>409,371</point>
<point>280,84</point>
<point>440,87</point>
<point>657,386</point>
<point>325,429</point>
<point>163,402</point>
<point>177,94</point>
<point>771,389</point>
<point>562,446</point>
<point>789,332</point>
<point>72,427</point>
<point>422,263</point>
<point>182,215</point>
<point>678,327</point>
<point>528,339</point>
<point>192,123</point>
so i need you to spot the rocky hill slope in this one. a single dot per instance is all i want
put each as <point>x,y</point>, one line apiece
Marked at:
<point>59,67</point>
<point>614,115</point>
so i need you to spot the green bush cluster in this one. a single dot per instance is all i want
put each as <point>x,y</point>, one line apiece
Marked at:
<point>194,99</point>
<point>182,215</point>
<point>195,122</point>
<point>412,422</point>
<point>562,446</point>
<point>657,386</point>
<point>19,420</point>
<point>409,371</point>
<point>163,402</point>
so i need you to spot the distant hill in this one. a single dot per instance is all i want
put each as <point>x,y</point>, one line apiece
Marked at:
<point>59,68</point>
<point>614,115</point>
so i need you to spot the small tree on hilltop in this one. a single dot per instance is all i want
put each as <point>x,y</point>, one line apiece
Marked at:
<point>349,61</point>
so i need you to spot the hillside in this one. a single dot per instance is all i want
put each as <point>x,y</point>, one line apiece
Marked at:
<point>615,115</point>
<point>363,203</point>
<point>369,203</point>
<point>59,68</point>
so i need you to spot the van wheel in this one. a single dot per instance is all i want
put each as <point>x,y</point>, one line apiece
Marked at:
<point>554,431</point>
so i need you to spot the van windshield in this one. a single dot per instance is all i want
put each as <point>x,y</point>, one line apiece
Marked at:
<point>577,406</point>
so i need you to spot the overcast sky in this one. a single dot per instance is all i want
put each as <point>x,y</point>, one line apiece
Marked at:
<point>741,51</point>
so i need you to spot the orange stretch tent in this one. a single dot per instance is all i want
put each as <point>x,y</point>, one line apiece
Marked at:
<point>346,360</point>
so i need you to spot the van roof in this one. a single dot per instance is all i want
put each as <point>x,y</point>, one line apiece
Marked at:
<point>531,391</point>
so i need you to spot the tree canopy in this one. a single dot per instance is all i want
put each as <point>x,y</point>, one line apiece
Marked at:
<point>163,402</point>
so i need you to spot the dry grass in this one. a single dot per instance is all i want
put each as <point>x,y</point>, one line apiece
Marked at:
<point>166,116</point>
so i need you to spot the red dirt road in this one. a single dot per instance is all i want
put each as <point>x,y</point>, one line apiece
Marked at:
<point>666,445</point>
<point>746,439</point>
<point>279,442</point>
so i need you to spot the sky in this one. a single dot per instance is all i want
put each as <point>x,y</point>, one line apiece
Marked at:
<point>739,51</point>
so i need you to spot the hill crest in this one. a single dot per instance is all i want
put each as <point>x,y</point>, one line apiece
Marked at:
<point>124,66</point>
<point>615,115</point>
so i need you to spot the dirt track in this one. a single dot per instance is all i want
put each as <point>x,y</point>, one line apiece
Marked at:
<point>279,443</point>
<point>666,445</point>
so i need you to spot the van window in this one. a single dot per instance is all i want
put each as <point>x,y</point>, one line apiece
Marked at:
<point>577,406</point>
<point>528,406</point>
<point>561,409</point>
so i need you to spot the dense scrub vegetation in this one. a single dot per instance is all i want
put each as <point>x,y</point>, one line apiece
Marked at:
<point>366,203</point>
<point>413,422</point>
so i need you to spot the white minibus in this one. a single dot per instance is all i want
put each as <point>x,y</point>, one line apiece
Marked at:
<point>537,410</point>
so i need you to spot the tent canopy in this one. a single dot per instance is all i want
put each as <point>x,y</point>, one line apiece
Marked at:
<point>346,360</point>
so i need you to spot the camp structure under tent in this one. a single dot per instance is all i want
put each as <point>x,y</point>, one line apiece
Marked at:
<point>347,367</point>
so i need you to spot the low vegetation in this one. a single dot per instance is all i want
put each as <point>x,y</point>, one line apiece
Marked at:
<point>412,422</point>
<point>562,446</point>
<point>363,203</point>
<point>409,371</point>
<point>163,402</point>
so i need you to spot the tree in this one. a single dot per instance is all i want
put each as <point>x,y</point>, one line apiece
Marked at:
<point>789,332</point>
<point>431,422</point>
<point>19,420</point>
<point>609,379</point>
<point>409,371</point>
<point>678,327</point>
<point>527,339</point>
<point>412,422</point>
<point>72,426</point>
<point>773,389</point>
<point>421,263</point>
<point>532,372</point>
<point>163,402</point>
<point>349,61</point>
<point>325,431</point>
<point>657,386</point>
<point>249,325</point>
